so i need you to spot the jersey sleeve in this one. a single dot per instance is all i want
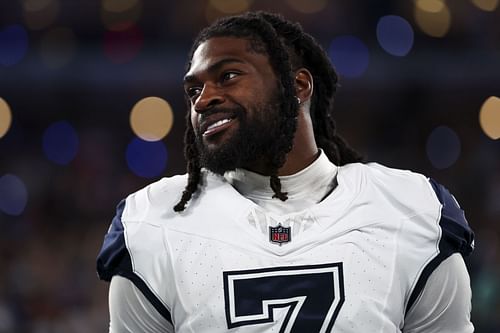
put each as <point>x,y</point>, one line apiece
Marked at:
<point>114,259</point>
<point>130,311</point>
<point>456,238</point>
<point>444,306</point>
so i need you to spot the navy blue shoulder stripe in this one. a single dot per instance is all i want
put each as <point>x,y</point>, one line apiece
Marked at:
<point>113,249</point>
<point>456,236</point>
<point>114,259</point>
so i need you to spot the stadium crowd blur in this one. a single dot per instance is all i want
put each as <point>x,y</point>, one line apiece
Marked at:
<point>92,108</point>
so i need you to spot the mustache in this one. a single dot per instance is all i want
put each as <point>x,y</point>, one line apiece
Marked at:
<point>232,112</point>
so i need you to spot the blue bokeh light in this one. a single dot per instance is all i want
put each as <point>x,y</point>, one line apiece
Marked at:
<point>395,35</point>
<point>13,44</point>
<point>13,195</point>
<point>443,147</point>
<point>145,158</point>
<point>60,142</point>
<point>349,55</point>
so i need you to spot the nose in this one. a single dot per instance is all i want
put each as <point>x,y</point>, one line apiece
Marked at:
<point>209,97</point>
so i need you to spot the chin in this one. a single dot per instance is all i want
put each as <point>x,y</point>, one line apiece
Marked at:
<point>219,158</point>
<point>236,147</point>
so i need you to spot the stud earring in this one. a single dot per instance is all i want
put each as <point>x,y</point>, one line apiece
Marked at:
<point>298,100</point>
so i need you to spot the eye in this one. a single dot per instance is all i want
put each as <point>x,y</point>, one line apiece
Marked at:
<point>193,91</point>
<point>229,76</point>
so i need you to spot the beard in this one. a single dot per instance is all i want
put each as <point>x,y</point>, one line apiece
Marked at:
<point>253,141</point>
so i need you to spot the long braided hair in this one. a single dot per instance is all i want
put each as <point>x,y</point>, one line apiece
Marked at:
<point>288,48</point>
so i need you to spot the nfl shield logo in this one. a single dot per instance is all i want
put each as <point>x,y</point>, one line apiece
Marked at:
<point>280,234</point>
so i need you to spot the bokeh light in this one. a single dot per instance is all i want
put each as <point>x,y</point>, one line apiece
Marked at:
<point>349,55</point>
<point>57,47</point>
<point>151,118</point>
<point>307,6</point>
<point>13,195</point>
<point>5,117</point>
<point>395,35</point>
<point>443,147</point>
<point>489,117</point>
<point>432,17</point>
<point>119,15</point>
<point>146,159</point>
<point>124,45</point>
<point>431,6</point>
<point>486,5</point>
<point>13,44</point>
<point>39,14</point>
<point>60,142</point>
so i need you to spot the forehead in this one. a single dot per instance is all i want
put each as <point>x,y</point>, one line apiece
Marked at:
<point>217,49</point>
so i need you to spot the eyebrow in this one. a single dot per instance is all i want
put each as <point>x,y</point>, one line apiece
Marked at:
<point>214,68</point>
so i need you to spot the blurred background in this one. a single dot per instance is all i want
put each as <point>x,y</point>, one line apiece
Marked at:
<point>91,109</point>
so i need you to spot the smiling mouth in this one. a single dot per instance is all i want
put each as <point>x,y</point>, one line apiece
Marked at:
<point>218,126</point>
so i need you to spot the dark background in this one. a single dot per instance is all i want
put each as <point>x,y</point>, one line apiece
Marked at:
<point>389,113</point>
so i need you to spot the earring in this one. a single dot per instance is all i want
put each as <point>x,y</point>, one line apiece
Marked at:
<point>298,100</point>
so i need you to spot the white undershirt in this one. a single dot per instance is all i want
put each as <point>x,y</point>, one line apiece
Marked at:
<point>304,189</point>
<point>444,306</point>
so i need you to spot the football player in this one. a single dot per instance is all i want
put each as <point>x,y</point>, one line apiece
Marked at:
<point>278,225</point>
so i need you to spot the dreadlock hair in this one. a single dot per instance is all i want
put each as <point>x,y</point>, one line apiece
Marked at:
<point>288,48</point>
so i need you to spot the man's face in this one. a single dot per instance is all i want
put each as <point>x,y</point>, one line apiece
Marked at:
<point>234,102</point>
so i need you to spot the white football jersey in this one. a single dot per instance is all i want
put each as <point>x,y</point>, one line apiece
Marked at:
<point>355,262</point>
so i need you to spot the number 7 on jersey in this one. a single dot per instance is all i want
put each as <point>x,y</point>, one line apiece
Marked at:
<point>308,298</point>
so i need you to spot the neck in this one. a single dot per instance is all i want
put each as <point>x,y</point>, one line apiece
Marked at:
<point>300,161</point>
<point>304,189</point>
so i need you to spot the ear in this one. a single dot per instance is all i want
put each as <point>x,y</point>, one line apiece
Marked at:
<point>304,85</point>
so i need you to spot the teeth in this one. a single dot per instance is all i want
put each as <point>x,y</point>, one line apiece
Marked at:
<point>218,123</point>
